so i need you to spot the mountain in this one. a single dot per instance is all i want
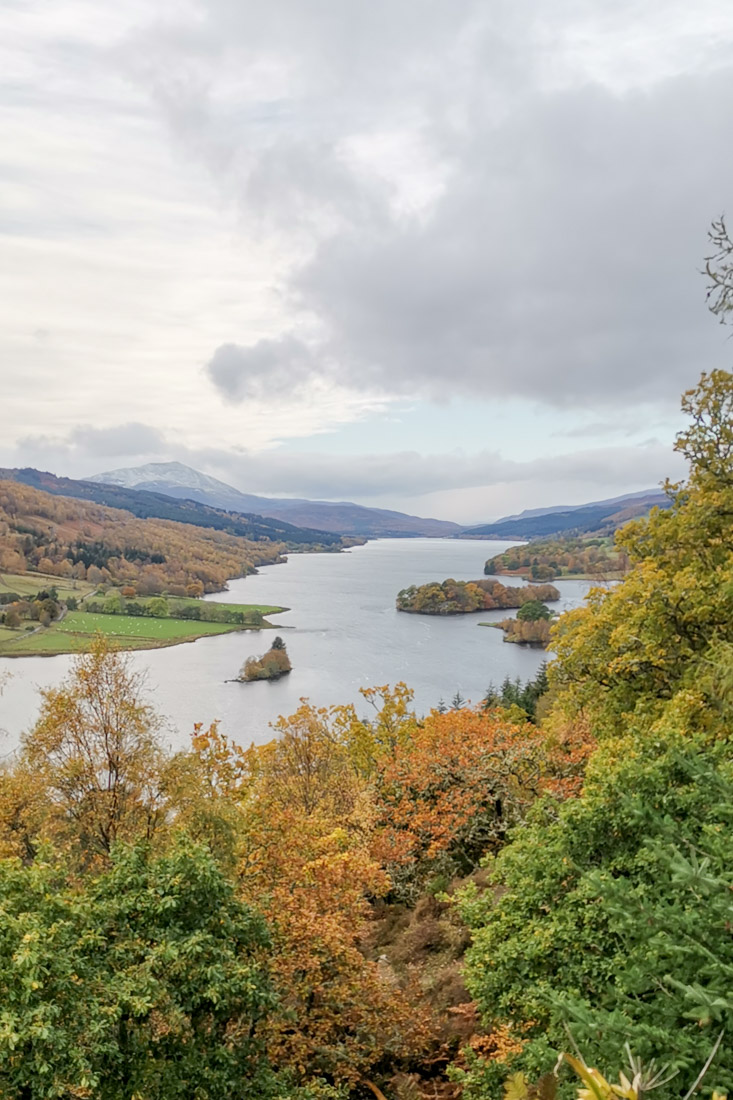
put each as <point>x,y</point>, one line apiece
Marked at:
<point>344,518</point>
<point>598,517</point>
<point>149,505</point>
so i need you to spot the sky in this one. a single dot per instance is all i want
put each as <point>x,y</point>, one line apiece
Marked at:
<point>435,255</point>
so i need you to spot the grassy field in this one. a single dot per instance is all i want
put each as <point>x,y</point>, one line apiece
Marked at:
<point>176,603</point>
<point>27,584</point>
<point>76,630</point>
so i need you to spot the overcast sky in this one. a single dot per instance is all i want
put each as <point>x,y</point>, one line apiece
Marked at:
<point>438,255</point>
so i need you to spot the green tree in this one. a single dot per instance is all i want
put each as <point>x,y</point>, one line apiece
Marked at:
<point>613,917</point>
<point>147,981</point>
<point>532,611</point>
<point>158,608</point>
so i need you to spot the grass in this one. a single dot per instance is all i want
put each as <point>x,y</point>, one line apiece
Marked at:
<point>27,584</point>
<point>176,603</point>
<point>136,626</point>
<point>76,630</point>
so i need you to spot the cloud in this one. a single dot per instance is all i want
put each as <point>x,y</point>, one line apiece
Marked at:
<point>266,369</point>
<point>364,477</point>
<point>126,439</point>
<point>333,206</point>
<point>563,165</point>
<point>86,442</point>
<point>410,474</point>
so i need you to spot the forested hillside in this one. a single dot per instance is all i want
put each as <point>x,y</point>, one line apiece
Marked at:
<point>522,900</point>
<point>147,505</point>
<point>561,556</point>
<point>67,538</point>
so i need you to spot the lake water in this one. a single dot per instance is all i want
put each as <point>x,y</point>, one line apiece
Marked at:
<point>342,632</point>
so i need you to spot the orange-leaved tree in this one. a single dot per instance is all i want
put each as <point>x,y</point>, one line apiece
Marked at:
<point>450,794</point>
<point>307,862</point>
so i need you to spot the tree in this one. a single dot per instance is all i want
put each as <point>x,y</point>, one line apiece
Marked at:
<point>307,860</point>
<point>146,981</point>
<point>158,608</point>
<point>12,618</point>
<point>450,794</point>
<point>532,611</point>
<point>94,754</point>
<point>613,918</point>
<point>636,646</point>
<point>719,269</point>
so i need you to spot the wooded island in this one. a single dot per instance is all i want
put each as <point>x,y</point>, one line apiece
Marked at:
<point>451,597</point>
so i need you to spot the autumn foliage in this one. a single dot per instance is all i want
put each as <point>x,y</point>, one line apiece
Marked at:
<point>63,537</point>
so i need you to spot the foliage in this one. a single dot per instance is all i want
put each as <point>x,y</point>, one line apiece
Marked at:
<point>631,649</point>
<point>533,611</point>
<point>71,538</point>
<point>614,916</point>
<point>451,793</point>
<point>461,597</point>
<point>533,632</point>
<point>514,693</point>
<point>88,773</point>
<point>561,556</point>
<point>146,981</point>
<point>307,860</point>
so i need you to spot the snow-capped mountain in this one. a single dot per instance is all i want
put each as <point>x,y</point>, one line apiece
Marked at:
<point>178,480</point>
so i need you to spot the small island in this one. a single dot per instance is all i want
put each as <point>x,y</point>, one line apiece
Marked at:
<point>530,627</point>
<point>463,597</point>
<point>271,666</point>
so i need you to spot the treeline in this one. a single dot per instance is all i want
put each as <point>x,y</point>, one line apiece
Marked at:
<point>460,597</point>
<point>159,607</point>
<point>561,556</point>
<point>71,539</point>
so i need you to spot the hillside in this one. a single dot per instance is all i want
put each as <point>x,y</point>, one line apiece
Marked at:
<point>176,480</point>
<point>561,556</point>
<point>599,517</point>
<point>148,504</point>
<point>64,537</point>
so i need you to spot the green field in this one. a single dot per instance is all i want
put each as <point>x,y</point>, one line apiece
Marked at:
<point>27,584</point>
<point>175,603</point>
<point>76,630</point>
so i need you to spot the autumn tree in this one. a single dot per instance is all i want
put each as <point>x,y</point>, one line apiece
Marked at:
<point>307,860</point>
<point>450,795</point>
<point>633,648</point>
<point>92,760</point>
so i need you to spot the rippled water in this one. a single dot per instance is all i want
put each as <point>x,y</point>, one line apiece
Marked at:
<point>342,632</point>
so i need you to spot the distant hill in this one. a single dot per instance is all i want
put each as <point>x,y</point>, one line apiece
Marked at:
<point>176,480</point>
<point>598,517</point>
<point>151,505</point>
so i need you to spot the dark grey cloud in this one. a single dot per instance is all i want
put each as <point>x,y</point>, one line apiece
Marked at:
<point>561,263</point>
